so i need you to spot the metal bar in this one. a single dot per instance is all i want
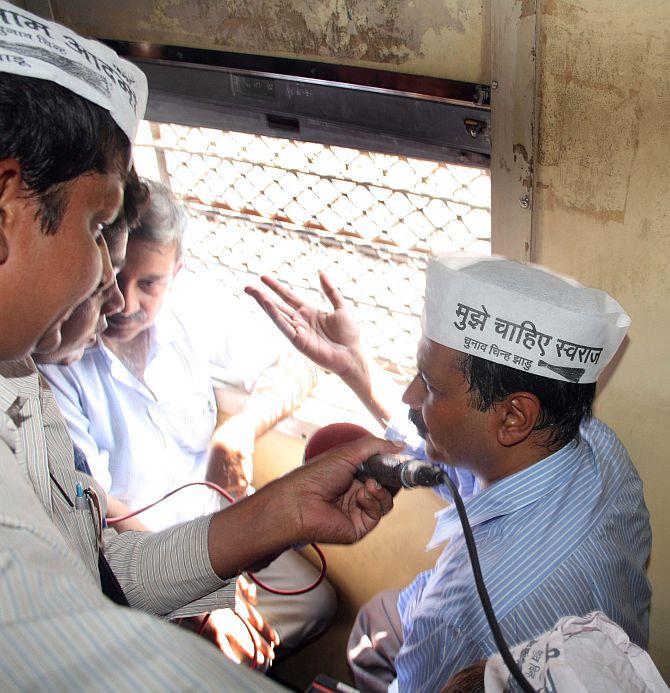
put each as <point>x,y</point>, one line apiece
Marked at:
<point>364,79</point>
<point>513,25</point>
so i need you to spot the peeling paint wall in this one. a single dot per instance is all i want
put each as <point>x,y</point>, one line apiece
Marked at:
<point>602,205</point>
<point>440,38</point>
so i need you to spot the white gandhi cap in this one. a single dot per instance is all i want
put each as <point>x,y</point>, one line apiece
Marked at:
<point>521,316</point>
<point>35,47</point>
<point>581,654</point>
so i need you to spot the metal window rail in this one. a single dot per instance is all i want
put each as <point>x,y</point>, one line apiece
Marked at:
<point>287,208</point>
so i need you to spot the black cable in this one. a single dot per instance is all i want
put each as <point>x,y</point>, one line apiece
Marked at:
<point>483,594</point>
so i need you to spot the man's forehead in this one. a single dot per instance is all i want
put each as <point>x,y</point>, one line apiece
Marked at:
<point>148,260</point>
<point>432,358</point>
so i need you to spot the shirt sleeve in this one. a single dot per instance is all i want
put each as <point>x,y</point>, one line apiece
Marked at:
<point>58,631</point>
<point>233,335</point>
<point>169,573</point>
<point>67,391</point>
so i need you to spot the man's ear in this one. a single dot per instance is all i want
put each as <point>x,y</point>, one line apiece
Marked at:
<point>518,413</point>
<point>179,264</point>
<point>11,188</point>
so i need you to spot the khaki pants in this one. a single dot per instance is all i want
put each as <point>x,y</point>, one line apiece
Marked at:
<point>374,642</point>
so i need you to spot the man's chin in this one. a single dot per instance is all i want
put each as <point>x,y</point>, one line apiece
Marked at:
<point>50,341</point>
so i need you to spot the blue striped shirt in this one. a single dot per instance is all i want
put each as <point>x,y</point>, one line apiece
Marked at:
<point>568,535</point>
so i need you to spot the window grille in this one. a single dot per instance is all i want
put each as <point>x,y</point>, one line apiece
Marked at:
<point>268,205</point>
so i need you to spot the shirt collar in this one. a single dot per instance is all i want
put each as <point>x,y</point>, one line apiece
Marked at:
<point>18,383</point>
<point>511,493</point>
<point>167,328</point>
<point>17,379</point>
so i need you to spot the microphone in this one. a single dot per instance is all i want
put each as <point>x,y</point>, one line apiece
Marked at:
<point>398,471</point>
<point>392,471</point>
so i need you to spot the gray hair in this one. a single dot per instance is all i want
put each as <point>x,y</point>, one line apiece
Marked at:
<point>163,220</point>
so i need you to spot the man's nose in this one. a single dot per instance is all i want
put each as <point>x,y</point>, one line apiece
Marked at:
<point>113,301</point>
<point>129,295</point>
<point>108,274</point>
<point>415,392</point>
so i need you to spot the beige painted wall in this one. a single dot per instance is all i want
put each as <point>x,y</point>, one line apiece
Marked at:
<point>439,38</point>
<point>602,208</point>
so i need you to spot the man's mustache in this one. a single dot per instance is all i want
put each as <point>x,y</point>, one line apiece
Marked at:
<point>416,418</point>
<point>139,316</point>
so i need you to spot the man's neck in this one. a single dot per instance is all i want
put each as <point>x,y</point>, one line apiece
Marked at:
<point>511,463</point>
<point>132,354</point>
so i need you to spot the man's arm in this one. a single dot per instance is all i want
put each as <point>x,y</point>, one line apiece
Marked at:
<point>49,596</point>
<point>278,391</point>
<point>183,570</point>
<point>331,340</point>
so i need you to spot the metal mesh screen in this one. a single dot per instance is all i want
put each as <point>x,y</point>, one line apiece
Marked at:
<point>267,205</point>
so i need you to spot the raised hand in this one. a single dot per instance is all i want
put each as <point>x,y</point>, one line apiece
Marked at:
<point>329,338</point>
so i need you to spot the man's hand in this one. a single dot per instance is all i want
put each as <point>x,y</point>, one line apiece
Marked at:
<point>242,634</point>
<point>330,339</point>
<point>331,505</point>
<point>230,463</point>
<point>321,501</point>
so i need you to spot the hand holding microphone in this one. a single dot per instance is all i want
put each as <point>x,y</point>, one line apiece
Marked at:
<point>391,470</point>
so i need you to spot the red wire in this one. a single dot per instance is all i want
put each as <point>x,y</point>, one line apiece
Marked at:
<point>115,520</point>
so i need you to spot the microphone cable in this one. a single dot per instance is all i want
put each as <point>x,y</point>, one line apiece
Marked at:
<point>483,593</point>
<point>302,590</point>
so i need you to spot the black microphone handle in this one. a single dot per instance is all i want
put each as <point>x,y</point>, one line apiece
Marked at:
<point>400,471</point>
<point>385,469</point>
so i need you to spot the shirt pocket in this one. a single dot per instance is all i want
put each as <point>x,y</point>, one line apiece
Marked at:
<point>190,420</point>
<point>79,527</point>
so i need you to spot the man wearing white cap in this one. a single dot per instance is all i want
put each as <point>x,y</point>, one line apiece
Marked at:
<point>507,366</point>
<point>69,108</point>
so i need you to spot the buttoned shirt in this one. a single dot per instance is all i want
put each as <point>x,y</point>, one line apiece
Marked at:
<point>57,630</point>
<point>566,536</point>
<point>144,439</point>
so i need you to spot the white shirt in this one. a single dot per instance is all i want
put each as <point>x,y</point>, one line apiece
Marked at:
<point>142,440</point>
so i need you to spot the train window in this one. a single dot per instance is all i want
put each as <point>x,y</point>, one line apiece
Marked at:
<point>287,208</point>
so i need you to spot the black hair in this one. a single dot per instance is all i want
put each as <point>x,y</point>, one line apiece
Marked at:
<point>135,199</point>
<point>468,680</point>
<point>564,405</point>
<point>56,136</point>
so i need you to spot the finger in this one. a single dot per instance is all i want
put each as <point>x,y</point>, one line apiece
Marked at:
<point>229,650</point>
<point>369,504</point>
<point>333,295</point>
<point>262,626</point>
<point>380,493</point>
<point>245,637</point>
<point>283,292</point>
<point>265,656</point>
<point>279,318</point>
<point>264,301</point>
<point>247,588</point>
